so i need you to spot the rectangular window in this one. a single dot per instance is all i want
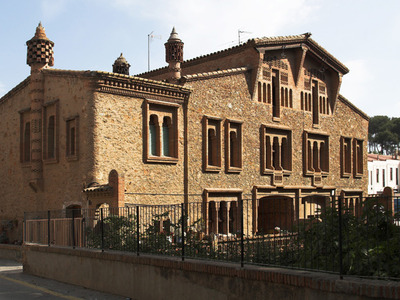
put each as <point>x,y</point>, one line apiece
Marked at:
<point>50,132</point>
<point>345,156</point>
<point>25,136</point>
<point>276,150</point>
<point>233,146</point>
<point>211,144</point>
<point>397,176</point>
<point>315,104</point>
<point>161,132</point>
<point>358,157</point>
<point>276,97</point>
<point>391,174</point>
<point>315,154</point>
<point>377,176</point>
<point>72,138</point>
<point>383,178</point>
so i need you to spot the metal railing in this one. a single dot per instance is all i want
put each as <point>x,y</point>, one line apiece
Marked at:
<point>346,236</point>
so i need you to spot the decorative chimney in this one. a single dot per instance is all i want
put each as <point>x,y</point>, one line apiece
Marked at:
<point>121,66</point>
<point>40,50</point>
<point>40,55</point>
<point>174,55</point>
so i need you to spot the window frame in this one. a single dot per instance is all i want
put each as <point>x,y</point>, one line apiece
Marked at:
<point>358,163</point>
<point>24,120</point>
<point>346,165</point>
<point>233,126</point>
<point>161,109</point>
<point>50,109</point>
<point>210,122</point>
<point>283,132</point>
<point>75,121</point>
<point>308,156</point>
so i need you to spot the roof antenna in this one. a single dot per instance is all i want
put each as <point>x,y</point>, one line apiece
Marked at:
<point>239,32</point>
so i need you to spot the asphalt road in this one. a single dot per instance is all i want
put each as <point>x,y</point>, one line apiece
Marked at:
<point>15,285</point>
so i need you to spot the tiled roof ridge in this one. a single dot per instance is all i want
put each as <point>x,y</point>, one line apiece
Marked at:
<point>305,37</point>
<point>353,107</point>
<point>218,73</point>
<point>227,50</point>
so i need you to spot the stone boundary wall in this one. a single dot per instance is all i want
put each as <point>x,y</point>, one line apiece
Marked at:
<point>155,277</point>
<point>12,252</point>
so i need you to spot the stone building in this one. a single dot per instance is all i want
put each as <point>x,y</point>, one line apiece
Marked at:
<point>262,121</point>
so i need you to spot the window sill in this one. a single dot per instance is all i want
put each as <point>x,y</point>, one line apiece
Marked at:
<point>233,170</point>
<point>72,158</point>
<point>358,175</point>
<point>162,160</point>
<point>50,161</point>
<point>346,175</point>
<point>26,164</point>
<point>214,169</point>
<point>271,172</point>
<point>276,119</point>
<point>313,173</point>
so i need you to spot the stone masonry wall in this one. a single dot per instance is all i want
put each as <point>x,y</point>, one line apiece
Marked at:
<point>119,145</point>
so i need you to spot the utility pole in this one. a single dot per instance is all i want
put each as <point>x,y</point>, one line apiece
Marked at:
<point>239,32</point>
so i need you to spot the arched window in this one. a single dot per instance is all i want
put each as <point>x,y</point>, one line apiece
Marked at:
<point>234,149</point>
<point>166,136</point>
<point>212,147</point>
<point>269,93</point>
<point>153,135</point>
<point>264,96</point>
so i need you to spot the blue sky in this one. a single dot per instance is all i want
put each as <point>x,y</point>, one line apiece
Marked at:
<point>90,35</point>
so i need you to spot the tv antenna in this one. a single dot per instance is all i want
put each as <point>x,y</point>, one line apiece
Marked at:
<point>150,36</point>
<point>240,32</point>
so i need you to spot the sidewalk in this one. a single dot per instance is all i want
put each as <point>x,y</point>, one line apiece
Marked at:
<point>14,284</point>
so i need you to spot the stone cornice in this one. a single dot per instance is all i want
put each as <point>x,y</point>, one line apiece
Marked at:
<point>126,85</point>
<point>140,87</point>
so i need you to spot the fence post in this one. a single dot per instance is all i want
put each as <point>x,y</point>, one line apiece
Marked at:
<point>102,230</point>
<point>137,229</point>
<point>241,233</point>
<point>24,241</point>
<point>340,237</point>
<point>48,228</point>
<point>183,230</point>
<point>73,228</point>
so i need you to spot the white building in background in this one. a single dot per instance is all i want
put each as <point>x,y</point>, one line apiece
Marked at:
<point>383,170</point>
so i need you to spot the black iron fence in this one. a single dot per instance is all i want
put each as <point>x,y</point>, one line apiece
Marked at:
<point>347,236</point>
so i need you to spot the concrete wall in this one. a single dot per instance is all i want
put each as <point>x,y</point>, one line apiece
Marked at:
<point>152,277</point>
<point>11,252</point>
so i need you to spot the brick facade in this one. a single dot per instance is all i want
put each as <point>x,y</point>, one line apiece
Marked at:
<point>234,124</point>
